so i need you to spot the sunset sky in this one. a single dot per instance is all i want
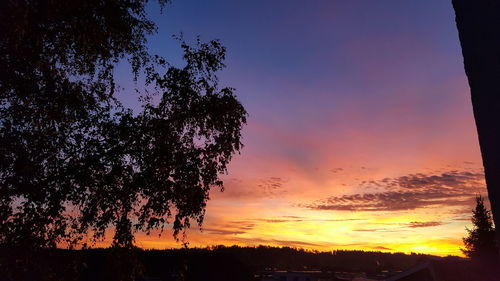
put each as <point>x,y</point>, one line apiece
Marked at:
<point>360,131</point>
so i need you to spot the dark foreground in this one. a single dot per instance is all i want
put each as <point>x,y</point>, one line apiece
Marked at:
<point>228,263</point>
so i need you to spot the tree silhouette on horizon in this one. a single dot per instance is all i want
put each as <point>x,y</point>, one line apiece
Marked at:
<point>480,243</point>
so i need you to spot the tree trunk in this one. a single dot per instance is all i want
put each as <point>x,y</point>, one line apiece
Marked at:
<point>478,23</point>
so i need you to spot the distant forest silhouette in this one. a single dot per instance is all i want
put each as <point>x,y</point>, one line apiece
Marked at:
<point>232,263</point>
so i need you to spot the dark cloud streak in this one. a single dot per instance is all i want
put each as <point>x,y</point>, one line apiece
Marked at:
<point>218,231</point>
<point>417,224</point>
<point>454,188</point>
<point>270,187</point>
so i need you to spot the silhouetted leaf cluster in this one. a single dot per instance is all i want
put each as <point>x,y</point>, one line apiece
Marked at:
<point>73,160</point>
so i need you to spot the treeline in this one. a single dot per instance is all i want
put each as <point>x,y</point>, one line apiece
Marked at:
<point>287,258</point>
<point>212,263</point>
<point>241,263</point>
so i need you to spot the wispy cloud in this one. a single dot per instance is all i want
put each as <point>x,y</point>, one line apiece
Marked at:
<point>269,187</point>
<point>381,248</point>
<point>292,219</point>
<point>417,224</point>
<point>275,242</point>
<point>398,227</point>
<point>230,228</point>
<point>221,231</point>
<point>336,170</point>
<point>453,188</point>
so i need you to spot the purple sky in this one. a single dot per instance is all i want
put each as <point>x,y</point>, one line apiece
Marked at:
<point>339,94</point>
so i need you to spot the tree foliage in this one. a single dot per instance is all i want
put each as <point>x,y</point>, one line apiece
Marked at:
<point>73,160</point>
<point>480,242</point>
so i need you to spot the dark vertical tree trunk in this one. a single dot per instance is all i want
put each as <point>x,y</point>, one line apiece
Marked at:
<point>478,23</point>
